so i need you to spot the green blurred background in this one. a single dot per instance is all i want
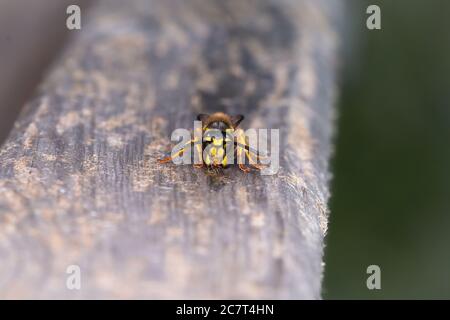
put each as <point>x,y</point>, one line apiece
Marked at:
<point>390,201</point>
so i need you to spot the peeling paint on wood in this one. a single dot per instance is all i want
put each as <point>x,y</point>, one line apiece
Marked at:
<point>79,181</point>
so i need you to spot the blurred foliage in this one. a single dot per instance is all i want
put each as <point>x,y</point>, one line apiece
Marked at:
<point>390,201</point>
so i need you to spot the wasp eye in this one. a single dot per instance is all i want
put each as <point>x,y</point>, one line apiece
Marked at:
<point>222,126</point>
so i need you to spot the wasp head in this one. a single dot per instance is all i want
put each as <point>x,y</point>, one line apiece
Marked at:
<point>219,121</point>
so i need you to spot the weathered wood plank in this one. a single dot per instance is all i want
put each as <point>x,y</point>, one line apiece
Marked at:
<point>31,34</point>
<point>79,183</point>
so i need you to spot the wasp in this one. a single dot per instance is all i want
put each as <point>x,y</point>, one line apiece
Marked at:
<point>220,138</point>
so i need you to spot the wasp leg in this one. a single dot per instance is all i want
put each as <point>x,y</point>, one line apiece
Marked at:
<point>253,151</point>
<point>179,153</point>
<point>200,156</point>
<point>243,149</point>
<point>251,155</point>
<point>244,168</point>
<point>170,158</point>
<point>164,160</point>
<point>253,163</point>
<point>239,157</point>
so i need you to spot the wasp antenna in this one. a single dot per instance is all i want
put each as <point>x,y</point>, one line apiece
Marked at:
<point>202,117</point>
<point>235,120</point>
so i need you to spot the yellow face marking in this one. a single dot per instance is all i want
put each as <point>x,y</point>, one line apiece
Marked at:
<point>215,156</point>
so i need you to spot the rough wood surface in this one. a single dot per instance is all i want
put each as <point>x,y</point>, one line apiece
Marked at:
<point>79,183</point>
<point>31,34</point>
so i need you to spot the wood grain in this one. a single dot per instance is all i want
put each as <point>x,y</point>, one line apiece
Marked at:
<point>79,181</point>
<point>31,35</point>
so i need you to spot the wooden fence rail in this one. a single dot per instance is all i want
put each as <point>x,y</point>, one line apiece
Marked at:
<point>79,182</point>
